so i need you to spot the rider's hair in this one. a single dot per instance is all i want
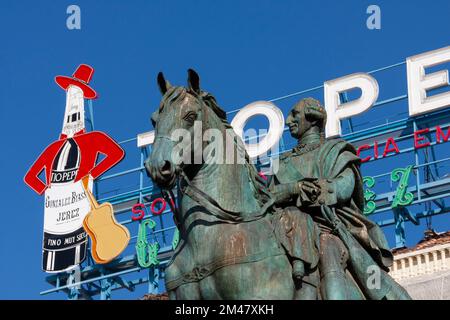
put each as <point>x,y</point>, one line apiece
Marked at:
<point>314,111</point>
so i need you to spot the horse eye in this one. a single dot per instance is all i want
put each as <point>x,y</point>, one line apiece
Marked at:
<point>190,116</point>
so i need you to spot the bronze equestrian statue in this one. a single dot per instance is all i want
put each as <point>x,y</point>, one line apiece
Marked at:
<point>241,240</point>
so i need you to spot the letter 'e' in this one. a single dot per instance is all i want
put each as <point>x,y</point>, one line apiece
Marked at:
<point>419,82</point>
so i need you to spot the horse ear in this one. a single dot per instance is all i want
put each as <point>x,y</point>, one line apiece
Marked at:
<point>193,81</point>
<point>163,84</point>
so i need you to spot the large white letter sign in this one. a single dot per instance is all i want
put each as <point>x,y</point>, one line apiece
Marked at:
<point>419,82</point>
<point>276,125</point>
<point>336,111</point>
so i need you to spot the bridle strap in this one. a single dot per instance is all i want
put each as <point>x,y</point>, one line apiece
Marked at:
<point>169,197</point>
<point>163,137</point>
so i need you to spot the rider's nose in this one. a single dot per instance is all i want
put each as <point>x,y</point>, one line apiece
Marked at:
<point>288,120</point>
<point>165,167</point>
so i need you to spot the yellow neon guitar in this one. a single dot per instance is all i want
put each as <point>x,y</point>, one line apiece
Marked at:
<point>109,238</point>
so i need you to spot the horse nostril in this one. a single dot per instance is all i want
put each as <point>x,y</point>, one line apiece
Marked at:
<point>166,168</point>
<point>148,169</point>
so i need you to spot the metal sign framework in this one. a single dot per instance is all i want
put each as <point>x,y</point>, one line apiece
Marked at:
<point>430,189</point>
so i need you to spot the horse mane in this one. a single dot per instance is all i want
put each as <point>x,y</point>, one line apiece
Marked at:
<point>260,186</point>
<point>211,102</point>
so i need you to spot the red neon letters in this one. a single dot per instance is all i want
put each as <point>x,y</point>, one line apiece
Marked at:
<point>163,206</point>
<point>420,141</point>
<point>440,133</point>
<point>418,138</point>
<point>138,210</point>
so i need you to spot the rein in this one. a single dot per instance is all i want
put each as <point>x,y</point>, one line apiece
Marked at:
<point>216,209</point>
<point>168,196</point>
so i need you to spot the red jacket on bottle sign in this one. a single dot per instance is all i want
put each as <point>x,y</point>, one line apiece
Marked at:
<point>90,145</point>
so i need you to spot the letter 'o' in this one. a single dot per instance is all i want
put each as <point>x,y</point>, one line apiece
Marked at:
<point>276,125</point>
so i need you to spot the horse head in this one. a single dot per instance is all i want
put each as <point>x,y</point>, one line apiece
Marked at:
<point>180,116</point>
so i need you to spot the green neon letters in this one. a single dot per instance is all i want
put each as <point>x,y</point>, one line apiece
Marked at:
<point>402,197</point>
<point>369,196</point>
<point>146,253</point>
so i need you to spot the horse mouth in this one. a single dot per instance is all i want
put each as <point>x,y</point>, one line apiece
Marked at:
<point>166,182</point>
<point>164,178</point>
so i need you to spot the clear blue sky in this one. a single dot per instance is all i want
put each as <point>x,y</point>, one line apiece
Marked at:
<point>243,50</point>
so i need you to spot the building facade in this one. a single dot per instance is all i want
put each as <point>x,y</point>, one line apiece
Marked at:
<point>424,270</point>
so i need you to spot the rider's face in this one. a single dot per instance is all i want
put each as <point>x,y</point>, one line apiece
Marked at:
<point>297,122</point>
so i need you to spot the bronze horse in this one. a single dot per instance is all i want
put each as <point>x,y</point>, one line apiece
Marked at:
<point>229,233</point>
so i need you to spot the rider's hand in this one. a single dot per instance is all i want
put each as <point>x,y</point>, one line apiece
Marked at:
<point>308,192</point>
